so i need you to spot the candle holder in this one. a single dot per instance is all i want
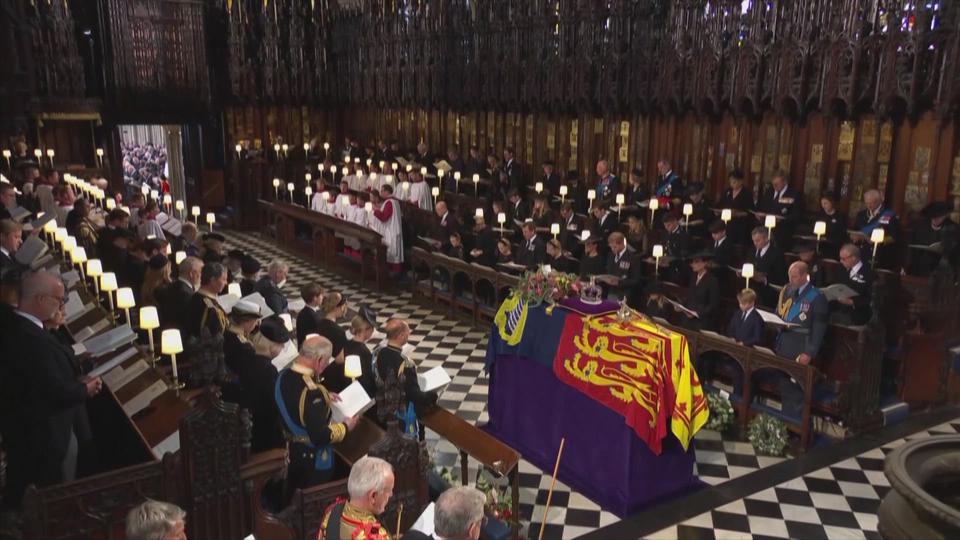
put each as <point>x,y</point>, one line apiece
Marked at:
<point>94,271</point>
<point>502,220</point>
<point>476,185</point>
<point>819,229</point>
<point>657,253</point>
<point>620,200</point>
<point>747,273</point>
<point>563,194</point>
<point>591,195</point>
<point>687,212</point>
<point>150,321</point>
<point>171,344</point>
<point>654,206</point>
<point>554,230</point>
<point>108,284</point>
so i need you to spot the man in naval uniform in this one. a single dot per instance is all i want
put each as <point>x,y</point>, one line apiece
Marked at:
<point>802,304</point>
<point>392,367</point>
<point>370,487</point>
<point>305,410</point>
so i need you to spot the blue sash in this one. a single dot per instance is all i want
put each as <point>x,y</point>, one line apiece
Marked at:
<point>876,221</point>
<point>808,296</point>
<point>409,419</point>
<point>323,459</point>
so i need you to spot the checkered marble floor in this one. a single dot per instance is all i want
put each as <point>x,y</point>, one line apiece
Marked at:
<point>837,501</point>
<point>805,507</point>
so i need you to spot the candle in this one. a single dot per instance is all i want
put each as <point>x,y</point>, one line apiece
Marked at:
<point>435,192</point>
<point>237,148</point>
<point>820,228</point>
<point>306,148</point>
<point>195,212</point>
<point>100,156</point>
<point>234,289</point>
<point>155,195</point>
<point>125,301</point>
<point>657,253</point>
<point>554,229</point>
<point>50,156</point>
<point>726,215</point>
<point>111,204</point>
<point>94,271</point>
<point>747,273</point>
<point>687,212</point>
<point>276,149</point>
<point>285,148</point>
<point>877,236</point>
<point>476,184</point>
<point>538,187</point>
<point>479,212</point>
<point>7,154</point>
<point>171,344</point>
<point>149,321</point>
<point>770,221</point>
<point>179,257</point>
<point>211,218</point>
<point>351,367</point>
<point>108,284</point>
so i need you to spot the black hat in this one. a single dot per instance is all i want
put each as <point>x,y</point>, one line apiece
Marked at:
<point>157,262</point>
<point>806,247</point>
<point>249,265</point>
<point>936,209</point>
<point>368,315</point>
<point>701,255</point>
<point>214,236</point>
<point>273,328</point>
<point>237,254</point>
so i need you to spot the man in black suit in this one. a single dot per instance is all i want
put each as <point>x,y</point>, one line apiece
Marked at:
<point>512,169</point>
<point>458,514</point>
<point>485,243</point>
<point>43,417</point>
<point>786,204</point>
<point>11,238</point>
<point>703,295</point>
<point>448,222</point>
<point>859,277</point>
<point>769,266</point>
<point>173,309</point>
<point>308,320</point>
<point>676,245</point>
<point>269,286</point>
<point>532,253</point>
<point>746,325</point>
<point>116,221</point>
<point>627,271</point>
<point>518,210</point>
<point>550,178</point>
<point>604,223</point>
<point>8,199</point>
<point>722,246</point>
<point>571,228</point>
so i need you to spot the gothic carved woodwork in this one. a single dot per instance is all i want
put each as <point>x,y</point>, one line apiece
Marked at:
<point>618,56</point>
<point>215,442</point>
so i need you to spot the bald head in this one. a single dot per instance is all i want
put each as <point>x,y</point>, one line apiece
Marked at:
<point>398,331</point>
<point>315,353</point>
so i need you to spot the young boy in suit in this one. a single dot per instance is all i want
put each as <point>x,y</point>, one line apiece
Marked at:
<point>746,325</point>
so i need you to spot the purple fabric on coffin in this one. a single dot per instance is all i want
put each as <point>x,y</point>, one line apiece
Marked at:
<point>579,306</point>
<point>531,410</point>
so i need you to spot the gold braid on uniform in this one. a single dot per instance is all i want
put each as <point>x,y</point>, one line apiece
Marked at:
<point>783,305</point>
<point>338,430</point>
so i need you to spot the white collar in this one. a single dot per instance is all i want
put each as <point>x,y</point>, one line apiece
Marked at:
<point>4,251</point>
<point>763,250</point>
<point>747,314</point>
<point>720,241</point>
<point>30,318</point>
<point>856,268</point>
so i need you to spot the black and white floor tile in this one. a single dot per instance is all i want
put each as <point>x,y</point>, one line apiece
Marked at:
<point>836,501</point>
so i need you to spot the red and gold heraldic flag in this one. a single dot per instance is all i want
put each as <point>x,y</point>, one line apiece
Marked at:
<point>639,370</point>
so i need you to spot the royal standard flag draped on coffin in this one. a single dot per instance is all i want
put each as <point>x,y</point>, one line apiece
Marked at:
<point>638,369</point>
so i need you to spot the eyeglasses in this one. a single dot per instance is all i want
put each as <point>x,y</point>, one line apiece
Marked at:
<point>61,299</point>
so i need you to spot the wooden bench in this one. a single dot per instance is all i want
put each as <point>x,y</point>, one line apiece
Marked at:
<point>492,454</point>
<point>326,238</point>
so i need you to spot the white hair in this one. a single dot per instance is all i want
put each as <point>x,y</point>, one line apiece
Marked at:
<point>317,347</point>
<point>457,509</point>
<point>153,520</point>
<point>367,474</point>
<point>277,265</point>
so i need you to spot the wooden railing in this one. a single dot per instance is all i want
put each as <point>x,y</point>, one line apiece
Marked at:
<point>326,233</point>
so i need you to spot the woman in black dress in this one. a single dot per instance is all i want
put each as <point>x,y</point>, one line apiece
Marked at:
<point>740,200</point>
<point>334,308</point>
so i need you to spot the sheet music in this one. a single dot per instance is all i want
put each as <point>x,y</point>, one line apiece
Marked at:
<point>170,444</point>
<point>425,522</point>
<point>354,401</point>
<point>96,327</point>
<point>113,362</point>
<point>773,318</point>
<point>296,305</point>
<point>110,340</point>
<point>145,398</point>
<point>82,334</point>
<point>118,377</point>
<point>433,379</point>
<point>286,356</point>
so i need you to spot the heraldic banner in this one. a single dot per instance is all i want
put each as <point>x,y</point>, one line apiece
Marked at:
<point>635,368</point>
